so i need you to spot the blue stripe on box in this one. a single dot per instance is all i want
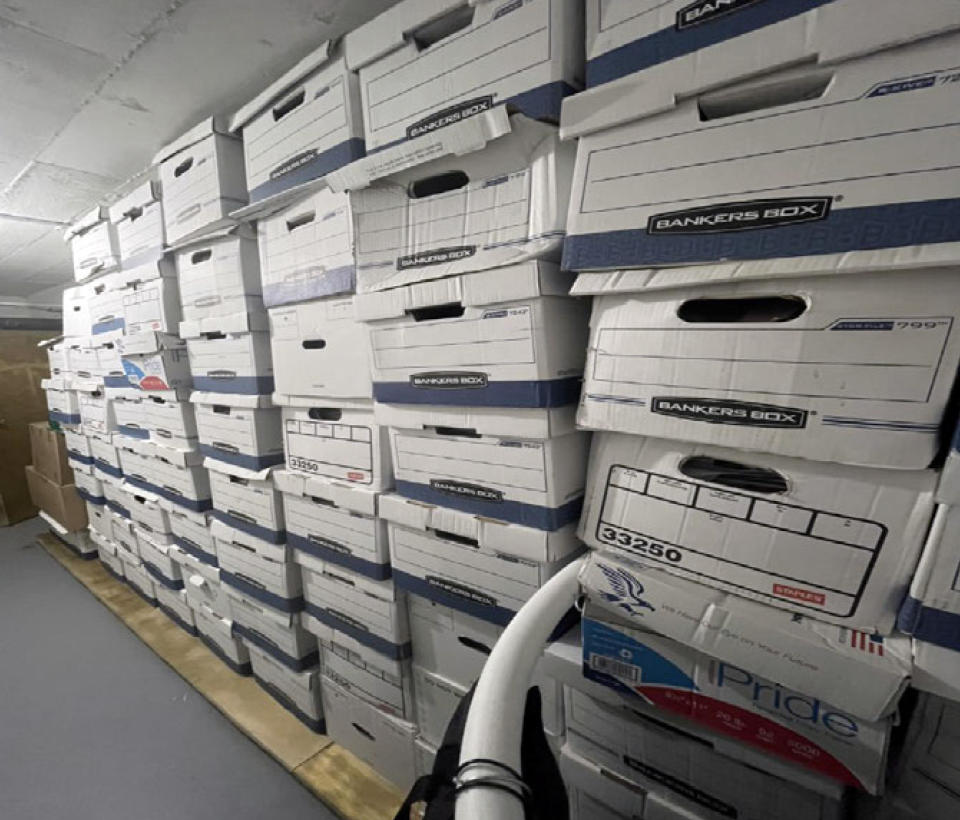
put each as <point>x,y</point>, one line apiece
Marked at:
<point>176,584</point>
<point>322,164</point>
<point>271,536</point>
<point>396,651</point>
<point>197,505</point>
<point>324,283</point>
<point>112,571</point>
<point>86,556</point>
<point>86,495</point>
<point>872,227</point>
<point>515,512</point>
<point>119,510</point>
<point>269,598</point>
<point>235,385</point>
<point>296,664</point>
<point>133,432</point>
<point>80,459</point>
<point>369,569</point>
<point>934,626</point>
<point>244,669</point>
<point>256,463</point>
<point>189,628</point>
<point>116,381</point>
<point>192,549</point>
<point>491,613</point>
<point>140,592</point>
<point>109,469</point>
<point>549,393</point>
<point>318,725</point>
<point>673,42</point>
<point>64,418</point>
<point>106,327</point>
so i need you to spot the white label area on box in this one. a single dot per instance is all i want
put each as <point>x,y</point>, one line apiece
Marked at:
<point>331,449</point>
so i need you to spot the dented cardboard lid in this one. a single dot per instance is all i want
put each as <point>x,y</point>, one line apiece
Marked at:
<point>255,402</point>
<point>202,130</point>
<point>223,467</point>
<point>349,497</point>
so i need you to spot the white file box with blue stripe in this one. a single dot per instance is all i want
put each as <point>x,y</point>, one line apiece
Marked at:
<point>78,450</point>
<point>334,522</point>
<point>169,421</point>
<point>89,488</point>
<point>96,410</point>
<point>812,170</point>
<point>243,431</point>
<point>174,604</point>
<point>521,466</point>
<point>62,404</point>
<point>202,584</point>
<point>130,419</point>
<point>106,457</point>
<point>109,557</point>
<point>117,498</point>
<point>276,632</point>
<point>321,349</point>
<point>153,304</point>
<point>219,275</point>
<point>106,305</point>
<point>643,56</point>
<point>258,568</point>
<point>174,475</point>
<point>247,500</point>
<point>191,533</point>
<point>386,683</point>
<point>507,337</point>
<point>157,553</point>
<point>297,691</point>
<point>216,632</point>
<point>829,541</point>
<point>427,64</point>
<point>302,126</point>
<point>498,206</point>
<point>848,369</point>
<point>352,610</point>
<point>93,244</point>
<point>82,355</point>
<point>77,315</point>
<point>148,513</point>
<point>138,220</point>
<point>155,361</point>
<point>98,517</point>
<point>230,354</point>
<point>306,249</point>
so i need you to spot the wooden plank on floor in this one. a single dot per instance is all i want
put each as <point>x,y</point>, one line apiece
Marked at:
<point>339,779</point>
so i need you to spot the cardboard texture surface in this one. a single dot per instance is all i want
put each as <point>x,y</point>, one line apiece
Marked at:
<point>60,502</point>
<point>48,449</point>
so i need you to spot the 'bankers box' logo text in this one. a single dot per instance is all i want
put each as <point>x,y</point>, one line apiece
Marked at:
<point>449,381</point>
<point>474,491</point>
<point>440,256</point>
<point>741,216</point>
<point>449,116</point>
<point>704,11</point>
<point>722,411</point>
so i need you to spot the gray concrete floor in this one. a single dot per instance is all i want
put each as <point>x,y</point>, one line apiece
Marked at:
<point>94,726</point>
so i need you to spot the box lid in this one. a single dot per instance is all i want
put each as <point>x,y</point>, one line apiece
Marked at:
<point>536,423</point>
<point>240,472</point>
<point>149,341</point>
<point>202,130</point>
<point>355,499</point>
<point>232,399</point>
<point>135,201</point>
<point>234,323</point>
<point>86,222</point>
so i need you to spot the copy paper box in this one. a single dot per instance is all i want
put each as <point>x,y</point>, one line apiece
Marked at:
<point>237,430</point>
<point>335,523</point>
<point>138,221</point>
<point>320,349</point>
<point>130,418</point>
<point>649,55</point>
<point>931,610</point>
<point>862,674</point>
<point>276,632</point>
<point>93,244</point>
<point>106,458</point>
<point>62,404</point>
<point>49,452</point>
<point>175,607</point>
<point>798,728</point>
<point>383,741</point>
<point>306,250</point>
<point>99,520</point>
<point>381,681</point>
<point>849,369</point>
<point>351,610</point>
<point>425,65</point>
<point>158,560</point>
<point>298,692</point>
<point>437,699</point>
<point>472,563</point>
<point>507,337</point>
<point>340,443</point>
<point>302,126</point>
<point>169,422</point>
<point>174,475</point>
<point>495,207</point>
<point>155,361</point>
<point>811,170</point>
<point>833,542</point>
<point>60,501</point>
<point>149,515</point>
<point>682,770</point>
<point>217,633</point>
<point>77,320</point>
<point>89,488</point>
<point>259,569</point>
<point>247,500</point>
<point>475,462</point>
<point>152,305</point>
<point>191,533</point>
<point>230,354</point>
<point>219,275</point>
<point>203,180</point>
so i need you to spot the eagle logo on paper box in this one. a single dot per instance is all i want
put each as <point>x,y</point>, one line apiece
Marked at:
<point>704,11</point>
<point>474,491</point>
<point>740,216</point>
<point>625,591</point>
<point>448,381</point>
<point>722,411</point>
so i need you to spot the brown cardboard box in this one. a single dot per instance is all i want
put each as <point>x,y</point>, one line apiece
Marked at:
<point>49,451</point>
<point>60,501</point>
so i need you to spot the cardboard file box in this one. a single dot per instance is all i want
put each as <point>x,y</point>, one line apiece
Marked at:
<point>217,633</point>
<point>191,533</point>
<point>130,418</point>
<point>202,178</point>
<point>649,55</point>
<point>56,355</point>
<point>936,669</point>
<point>426,756</point>
<point>105,297</point>
<point>278,633</point>
<point>298,692</point>
<point>153,305</point>
<point>77,318</point>
<point>158,560</point>
<point>93,244</point>
<point>109,370</point>
<point>149,515</point>
<point>593,793</point>
<point>321,350</point>
<point>174,605</point>
<point>495,207</point>
<point>425,65</point>
<point>50,451</point>
<point>849,369</point>
<point>174,475</point>
<point>107,553</point>
<point>138,221</point>
<point>339,443</point>
<point>472,563</point>
<point>380,681</point>
<point>680,770</point>
<point>242,431</point>
<point>99,519</point>
<point>62,404</point>
<point>117,498</point>
<point>383,741</point>
<point>836,543</point>
<point>788,725</point>
<point>77,447</point>
<point>83,359</point>
<point>96,411</point>
<point>813,169</point>
<point>258,568</point>
<point>860,673</point>
<point>106,458</point>
<point>307,251</point>
<point>507,337</point>
<point>89,488</point>
<point>202,584</point>
<point>123,536</point>
<point>437,699</point>
<point>230,354</point>
<point>335,523</point>
<point>136,575</point>
<point>155,361</point>
<point>219,276</point>
<point>60,501</point>
<point>169,421</point>
<point>478,461</point>
<point>302,126</point>
<point>247,500</point>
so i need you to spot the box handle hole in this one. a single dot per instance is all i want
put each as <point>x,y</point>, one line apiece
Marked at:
<point>734,474</point>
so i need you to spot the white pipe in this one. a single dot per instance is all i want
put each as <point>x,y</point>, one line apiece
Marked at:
<point>495,721</point>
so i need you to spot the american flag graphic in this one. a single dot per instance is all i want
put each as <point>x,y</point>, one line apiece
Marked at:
<point>871,644</point>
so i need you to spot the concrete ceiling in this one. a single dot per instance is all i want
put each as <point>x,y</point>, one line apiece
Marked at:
<point>91,89</point>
